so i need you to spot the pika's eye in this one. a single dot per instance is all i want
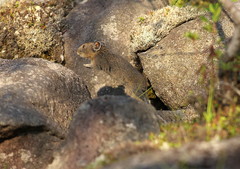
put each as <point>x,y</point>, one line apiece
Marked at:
<point>83,46</point>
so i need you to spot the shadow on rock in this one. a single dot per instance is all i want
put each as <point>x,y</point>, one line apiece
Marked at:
<point>108,90</point>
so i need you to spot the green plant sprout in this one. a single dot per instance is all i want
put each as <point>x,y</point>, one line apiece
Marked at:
<point>141,19</point>
<point>178,3</point>
<point>215,9</point>
<point>192,35</point>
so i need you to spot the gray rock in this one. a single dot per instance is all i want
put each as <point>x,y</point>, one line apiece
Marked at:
<point>174,65</point>
<point>28,146</point>
<point>37,101</point>
<point>43,86</point>
<point>27,138</point>
<point>102,124</point>
<point>203,155</point>
<point>15,116</point>
<point>184,115</point>
<point>109,21</point>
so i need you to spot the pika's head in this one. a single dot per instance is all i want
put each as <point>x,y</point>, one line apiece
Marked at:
<point>89,50</point>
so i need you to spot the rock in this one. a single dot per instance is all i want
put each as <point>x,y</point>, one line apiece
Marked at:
<point>37,101</point>
<point>224,154</point>
<point>33,29</point>
<point>49,88</point>
<point>174,116</point>
<point>107,21</point>
<point>176,63</point>
<point>27,140</point>
<point>236,6</point>
<point>158,24</point>
<point>15,116</point>
<point>102,124</point>
<point>29,150</point>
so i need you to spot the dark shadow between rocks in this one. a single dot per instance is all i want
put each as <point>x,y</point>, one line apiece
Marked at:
<point>158,104</point>
<point>108,90</point>
<point>23,131</point>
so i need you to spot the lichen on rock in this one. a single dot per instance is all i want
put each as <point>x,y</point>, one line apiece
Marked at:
<point>156,25</point>
<point>35,41</point>
<point>33,29</point>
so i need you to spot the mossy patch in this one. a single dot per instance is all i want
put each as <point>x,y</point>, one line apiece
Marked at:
<point>33,29</point>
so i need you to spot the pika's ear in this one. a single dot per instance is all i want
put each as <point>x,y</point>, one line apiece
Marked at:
<point>97,46</point>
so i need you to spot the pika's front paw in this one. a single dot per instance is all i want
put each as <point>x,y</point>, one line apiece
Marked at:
<point>88,65</point>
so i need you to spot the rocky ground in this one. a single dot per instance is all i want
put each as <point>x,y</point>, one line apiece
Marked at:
<point>57,114</point>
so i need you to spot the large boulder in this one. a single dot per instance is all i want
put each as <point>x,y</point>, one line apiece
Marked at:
<point>224,155</point>
<point>49,88</point>
<point>102,124</point>
<point>37,101</point>
<point>108,21</point>
<point>16,115</point>
<point>27,138</point>
<point>173,63</point>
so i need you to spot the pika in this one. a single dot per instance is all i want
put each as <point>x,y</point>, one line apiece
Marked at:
<point>116,66</point>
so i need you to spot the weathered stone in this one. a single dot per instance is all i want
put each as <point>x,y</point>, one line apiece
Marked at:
<point>37,101</point>
<point>15,116</point>
<point>27,138</point>
<point>158,24</point>
<point>184,115</point>
<point>108,21</point>
<point>102,124</point>
<point>236,6</point>
<point>176,64</point>
<point>224,155</point>
<point>49,88</point>
<point>31,147</point>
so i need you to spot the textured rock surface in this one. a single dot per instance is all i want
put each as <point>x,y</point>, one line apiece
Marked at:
<point>224,154</point>
<point>102,124</point>
<point>47,87</point>
<point>27,137</point>
<point>184,115</point>
<point>37,101</point>
<point>16,116</point>
<point>174,64</point>
<point>31,147</point>
<point>33,29</point>
<point>158,24</point>
<point>108,21</point>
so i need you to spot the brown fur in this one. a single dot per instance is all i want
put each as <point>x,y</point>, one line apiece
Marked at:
<point>116,66</point>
